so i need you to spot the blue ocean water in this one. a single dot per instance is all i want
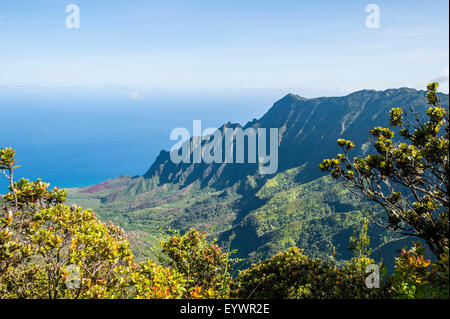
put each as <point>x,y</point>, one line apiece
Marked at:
<point>74,138</point>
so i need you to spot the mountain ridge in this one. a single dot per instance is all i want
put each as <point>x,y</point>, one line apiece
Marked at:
<point>256,214</point>
<point>294,116</point>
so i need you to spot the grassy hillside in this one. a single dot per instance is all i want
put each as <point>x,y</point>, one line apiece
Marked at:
<point>315,216</point>
<point>260,215</point>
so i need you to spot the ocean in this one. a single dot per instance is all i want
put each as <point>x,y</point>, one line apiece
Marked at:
<point>77,137</point>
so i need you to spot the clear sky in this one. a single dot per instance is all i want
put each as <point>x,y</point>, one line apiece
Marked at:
<point>314,46</point>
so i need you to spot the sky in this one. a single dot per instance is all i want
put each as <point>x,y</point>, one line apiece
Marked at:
<point>310,48</point>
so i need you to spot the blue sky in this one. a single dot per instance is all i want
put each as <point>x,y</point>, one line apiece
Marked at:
<point>311,47</point>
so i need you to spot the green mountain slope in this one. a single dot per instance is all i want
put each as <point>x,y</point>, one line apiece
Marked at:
<point>260,214</point>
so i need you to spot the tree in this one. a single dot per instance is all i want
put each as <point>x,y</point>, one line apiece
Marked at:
<point>51,250</point>
<point>359,245</point>
<point>408,178</point>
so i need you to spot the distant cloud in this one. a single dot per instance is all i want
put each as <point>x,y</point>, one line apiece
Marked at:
<point>250,86</point>
<point>443,78</point>
<point>414,32</point>
<point>43,86</point>
<point>135,95</point>
<point>132,93</point>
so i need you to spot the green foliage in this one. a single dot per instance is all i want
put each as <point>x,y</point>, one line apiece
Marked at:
<point>291,274</point>
<point>415,276</point>
<point>202,263</point>
<point>278,214</point>
<point>142,208</point>
<point>408,179</point>
<point>42,240</point>
<point>325,208</point>
<point>152,281</point>
<point>35,195</point>
<point>51,250</point>
<point>201,196</point>
<point>11,251</point>
<point>55,238</point>
<point>360,245</point>
<point>41,237</point>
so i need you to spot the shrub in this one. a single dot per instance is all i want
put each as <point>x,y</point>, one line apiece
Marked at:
<point>416,277</point>
<point>290,274</point>
<point>204,265</point>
